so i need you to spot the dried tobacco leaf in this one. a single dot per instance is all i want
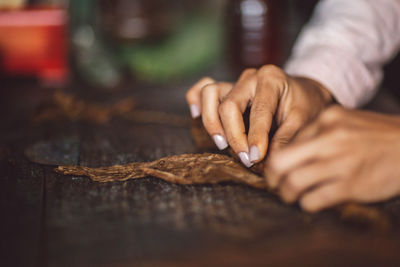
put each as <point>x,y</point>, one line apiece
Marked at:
<point>204,143</point>
<point>210,168</point>
<point>65,106</point>
<point>181,169</point>
<point>188,169</point>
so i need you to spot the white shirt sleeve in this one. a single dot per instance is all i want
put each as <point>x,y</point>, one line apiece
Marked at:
<point>345,46</point>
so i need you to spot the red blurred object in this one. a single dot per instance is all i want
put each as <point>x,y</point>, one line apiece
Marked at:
<point>33,42</point>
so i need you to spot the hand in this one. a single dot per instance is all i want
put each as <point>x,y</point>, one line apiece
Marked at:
<point>271,93</point>
<point>343,156</point>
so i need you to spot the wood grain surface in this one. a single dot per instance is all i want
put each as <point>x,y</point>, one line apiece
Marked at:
<point>48,219</point>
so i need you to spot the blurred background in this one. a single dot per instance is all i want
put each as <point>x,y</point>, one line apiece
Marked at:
<point>103,82</point>
<point>104,44</point>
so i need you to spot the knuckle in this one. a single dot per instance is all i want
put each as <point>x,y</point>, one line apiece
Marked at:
<point>224,84</point>
<point>192,92</point>
<point>209,88</point>
<point>248,72</point>
<point>206,80</point>
<point>271,70</point>
<point>332,114</point>
<point>226,107</point>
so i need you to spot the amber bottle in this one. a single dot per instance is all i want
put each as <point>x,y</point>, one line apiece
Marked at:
<point>254,33</point>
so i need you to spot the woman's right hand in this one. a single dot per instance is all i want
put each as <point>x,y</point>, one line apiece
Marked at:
<point>270,93</point>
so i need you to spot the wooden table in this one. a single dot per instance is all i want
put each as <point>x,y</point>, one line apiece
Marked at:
<point>53,220</point>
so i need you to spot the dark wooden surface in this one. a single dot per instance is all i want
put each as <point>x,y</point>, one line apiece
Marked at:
<point>53,220</point>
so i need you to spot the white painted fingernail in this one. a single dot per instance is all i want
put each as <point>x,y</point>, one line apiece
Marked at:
<point>254,154</point>
<point>220,141</point>
<point>244,157</point>
<point>194,110</point>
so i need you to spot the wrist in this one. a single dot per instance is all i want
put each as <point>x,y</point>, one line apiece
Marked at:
<point>324,92</point>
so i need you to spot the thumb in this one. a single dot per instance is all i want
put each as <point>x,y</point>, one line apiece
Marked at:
<point>287,130</point>
<point>285,133</point>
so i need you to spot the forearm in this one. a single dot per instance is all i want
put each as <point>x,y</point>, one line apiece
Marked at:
<point>345,45</point>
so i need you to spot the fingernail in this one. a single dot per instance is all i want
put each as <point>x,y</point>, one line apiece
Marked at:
<point>220,141</point>
<point>194,110</point>
<point>244,157</point>
<point>254,154</point>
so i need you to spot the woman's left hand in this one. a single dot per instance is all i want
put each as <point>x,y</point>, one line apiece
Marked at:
<point>342,156</point>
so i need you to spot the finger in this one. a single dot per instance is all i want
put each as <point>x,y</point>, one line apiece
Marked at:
<point>325,196</point>
<point>300,180</point>
<point>278,162</point>
<point>210,99</point>
<point>295,155</point>
<point>261,115</point>
<point>308,132</point>
<point>327,119</point>
<point>193,96</point>
<point>288,129</point>
<point>231,110</point>
<point>244,90</point>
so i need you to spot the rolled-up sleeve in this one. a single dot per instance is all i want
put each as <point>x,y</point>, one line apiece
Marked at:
<point>345,45</point>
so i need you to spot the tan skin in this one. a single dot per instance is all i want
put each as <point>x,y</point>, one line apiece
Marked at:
<point>344,155</point>
<point>340,156</point>
<point>270,93</point>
